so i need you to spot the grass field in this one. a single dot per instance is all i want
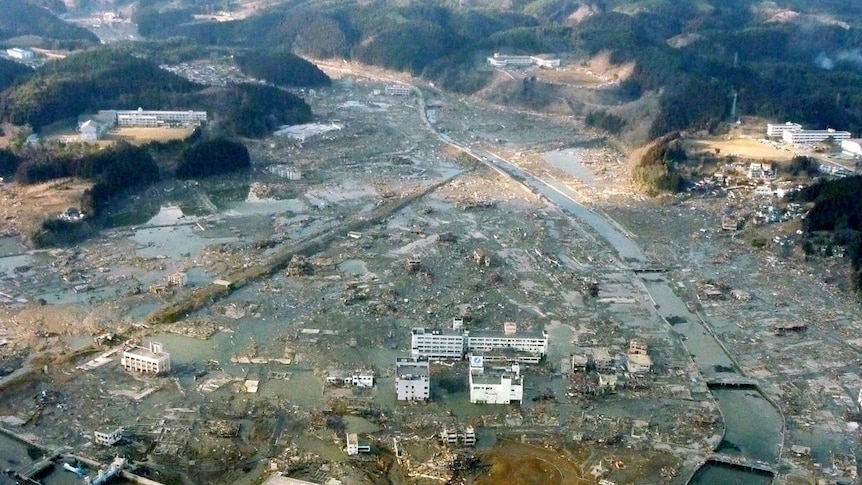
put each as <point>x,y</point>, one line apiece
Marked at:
<point>740,147</point>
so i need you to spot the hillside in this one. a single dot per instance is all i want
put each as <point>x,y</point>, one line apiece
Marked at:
<point>797,60</point>
<point>106,78</point>
<point>30,23</point>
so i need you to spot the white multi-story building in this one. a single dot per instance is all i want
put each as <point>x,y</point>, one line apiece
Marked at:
<point>502,60</point>
<point>412,381</point>
<point>18,53</point>
<point>809,137</point>
<point>495,385</point>
<point>777,130</point>
<point>152,360</point>
<point>525,347</point>
<point>532,343</point>
<point>436,345</point>
<point>149,118</point>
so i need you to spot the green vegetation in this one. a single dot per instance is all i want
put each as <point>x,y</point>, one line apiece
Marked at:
<point>838,210</point>
<point>108,78</point>
<point>28,20</point>
<point>89,81</point>
<point>656,170</point>
<point>11,72</point>
<point>695,54</point>
<point>282,68</point>
<point>212,158</point>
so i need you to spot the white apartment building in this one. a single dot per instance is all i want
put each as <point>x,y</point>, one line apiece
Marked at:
<point>495,385</point>
<point>809,137</point>
<point>152,360</point>
<point>412,381</point>
<point>777,130</point>
<point>436,345</point>
<point>149,118</point>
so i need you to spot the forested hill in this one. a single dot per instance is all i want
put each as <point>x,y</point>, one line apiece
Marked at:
<point>11,71</point>
<point>282,68</point>
<point>789,59</point>
<point>107,78</point>
<point>30,23</point>
<point>88,81</point>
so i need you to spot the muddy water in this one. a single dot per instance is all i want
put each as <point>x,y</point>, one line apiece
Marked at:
<point>714,473</point>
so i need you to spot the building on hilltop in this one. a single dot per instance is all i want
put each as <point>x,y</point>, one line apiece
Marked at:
<point>502,60</point>
<point>152,360</point>
<point>412,380</point>
<point>154,119</point>
<point>777,130</point>
<point>18,53</point>
<point>398,90</point>
<point>809,137</point>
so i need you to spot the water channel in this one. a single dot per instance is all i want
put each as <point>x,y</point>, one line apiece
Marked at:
<point>753,426</point>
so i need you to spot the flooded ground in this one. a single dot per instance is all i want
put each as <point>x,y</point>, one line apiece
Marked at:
<point>349,304</point>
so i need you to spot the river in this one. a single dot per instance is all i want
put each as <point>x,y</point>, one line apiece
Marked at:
<point>753,426</point>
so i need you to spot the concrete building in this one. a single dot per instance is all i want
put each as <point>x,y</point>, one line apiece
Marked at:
<point>502,60</point>
<point>456,436</point>
<point>602,360</point>
<point>531,345</point>
<point>809,137</point>
<point>18,53</point>
<point>761,171</point>
<point>152,360</point>
<point>356,446</point>
<point>92,130</point>
<point>412,381</point>
<point>852,147</point>
<point>638,360</point>
<point>777,130</point>
<point>149,118</point>
<point>507,346</point>
<point>436,345</point>
<point>398,90</point>
<point>109,438</point>
<point>495,385</point>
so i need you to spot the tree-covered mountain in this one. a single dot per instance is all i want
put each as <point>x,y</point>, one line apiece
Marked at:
<point>11,71</point>
<point>282,68</point>
<point>89,81</point>
<point>108,78</point>
<point>794,59</point>
<point>31,23</point>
